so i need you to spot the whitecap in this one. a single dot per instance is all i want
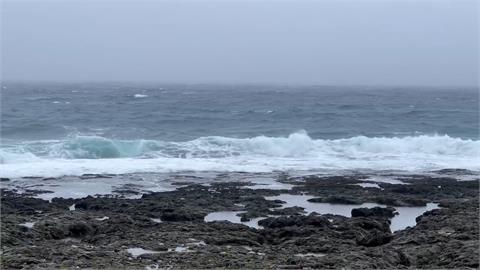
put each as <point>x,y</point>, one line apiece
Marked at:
<point>297,152</point>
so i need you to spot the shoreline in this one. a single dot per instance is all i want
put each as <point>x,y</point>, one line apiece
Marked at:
<point>168,229</point>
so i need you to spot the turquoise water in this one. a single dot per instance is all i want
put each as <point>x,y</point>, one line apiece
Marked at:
<point>251,128</point>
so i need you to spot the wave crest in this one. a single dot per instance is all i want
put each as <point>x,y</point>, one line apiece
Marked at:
<point>96,147</point>
<point>296,145</point>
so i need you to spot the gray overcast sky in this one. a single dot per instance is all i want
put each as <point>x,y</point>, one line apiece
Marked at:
<point>296,42</point>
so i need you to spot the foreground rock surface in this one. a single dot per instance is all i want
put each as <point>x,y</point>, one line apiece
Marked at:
<point>168,228</point>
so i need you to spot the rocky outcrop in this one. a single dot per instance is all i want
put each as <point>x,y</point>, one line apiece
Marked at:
<point>169,226</point>
<point>388,212</point>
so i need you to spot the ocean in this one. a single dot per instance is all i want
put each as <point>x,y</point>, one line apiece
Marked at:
<point>60,129</point>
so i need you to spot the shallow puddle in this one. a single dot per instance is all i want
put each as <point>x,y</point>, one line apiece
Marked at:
<point>27,224</point>
<point>385,179</point>
<point>268,183</point>
<point>369,185</point>
<point>407,215</point>
<point>179,249</point>
<point>405,218</point>
<point>135,252</point>
<point>156,220</point>
<point>316,255</point>
<point>231,216</point>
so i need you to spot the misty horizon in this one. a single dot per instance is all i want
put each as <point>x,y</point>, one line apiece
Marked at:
<point>146,83</point>
<point>365,43</point>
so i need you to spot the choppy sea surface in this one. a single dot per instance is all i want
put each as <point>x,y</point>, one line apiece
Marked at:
<point>52,130</point>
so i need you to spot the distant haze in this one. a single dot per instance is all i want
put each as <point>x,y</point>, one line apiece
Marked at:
<point>287,42</point>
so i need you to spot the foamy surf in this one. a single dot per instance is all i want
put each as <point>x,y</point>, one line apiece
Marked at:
<point>78,155</point>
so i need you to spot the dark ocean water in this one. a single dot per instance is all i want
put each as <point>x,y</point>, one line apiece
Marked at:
<point>293,127</point>
<point>187,112</point>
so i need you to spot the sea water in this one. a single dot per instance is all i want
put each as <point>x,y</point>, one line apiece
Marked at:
<point>52,130</point>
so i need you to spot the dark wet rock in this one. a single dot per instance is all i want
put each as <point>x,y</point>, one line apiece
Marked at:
<point>374,212</point>
<point>286,221</point>
<point>382,225</point>
<point>288,211</point>
<point>454,172</point>
<point>406,201</point>
<point>53,230</point>
<point>181,215</point>
<point>79,229</point>
<point>445,238</point>
<point>415,202</point>
<point>93,176</point>
<point>4,179</point>
<point>372,238</point>
<point>61,229</point>
<point>277,222</point>
<point>336,200</point>
<point>402,258</point>
<point>232,240</point>
<point>433,212</point>
<point>247,216</point>
<point>128,189</point>
<point>187,183</point>
<point>22,206</point>
<point>372,232</point>
<point>91,203</point>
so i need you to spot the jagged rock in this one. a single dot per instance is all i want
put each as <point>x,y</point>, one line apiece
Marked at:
<point>310,220</point>
<point>181,215</point>
<point>374,212</point>
<point>372,238</point>
<point>336,200</point>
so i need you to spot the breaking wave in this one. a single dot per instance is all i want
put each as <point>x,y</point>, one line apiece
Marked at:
<point>297,151</point>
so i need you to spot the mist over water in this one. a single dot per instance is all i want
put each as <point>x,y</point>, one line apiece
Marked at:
<point>62,129</point>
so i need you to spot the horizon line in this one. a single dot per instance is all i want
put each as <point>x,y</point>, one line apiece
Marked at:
<point>217,83</point>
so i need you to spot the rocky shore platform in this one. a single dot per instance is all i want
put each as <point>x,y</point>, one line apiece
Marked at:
<point>292,228</point>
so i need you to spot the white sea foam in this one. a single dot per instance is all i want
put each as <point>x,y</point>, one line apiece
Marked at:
<point>140,96</point>
<point>94,154</point>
